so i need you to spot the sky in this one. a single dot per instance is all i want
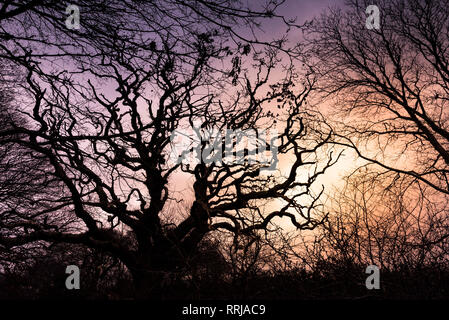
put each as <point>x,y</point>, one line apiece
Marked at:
<point>303,10</point>
<point>306,9</point>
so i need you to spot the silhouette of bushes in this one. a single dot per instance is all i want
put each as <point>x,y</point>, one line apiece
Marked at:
<point>210,277</point>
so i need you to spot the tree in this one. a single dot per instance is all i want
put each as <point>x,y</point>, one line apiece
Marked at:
<point>390,84</point>
<point>26,189</point>
<point>396,226</point>
<point>389,88</point>
<point>393,226</point>
<point>108,140</point>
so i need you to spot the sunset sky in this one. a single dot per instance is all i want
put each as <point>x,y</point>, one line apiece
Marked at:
<point>224,149</point>
<point>303,10</point>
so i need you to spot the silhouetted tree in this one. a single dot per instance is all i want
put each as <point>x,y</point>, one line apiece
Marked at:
<point>105,124</point>
<point>390,84</point>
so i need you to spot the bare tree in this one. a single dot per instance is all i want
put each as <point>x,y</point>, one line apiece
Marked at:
<point>393,226</point>
<point>108,139</point>
<point>26,189</point>
<point>389,84</point>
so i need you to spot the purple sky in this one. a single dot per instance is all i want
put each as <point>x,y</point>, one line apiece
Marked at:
<point>303,10</point>
<point>306,9</point>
